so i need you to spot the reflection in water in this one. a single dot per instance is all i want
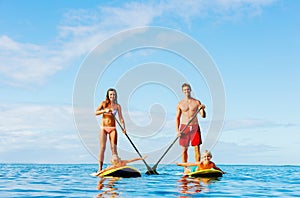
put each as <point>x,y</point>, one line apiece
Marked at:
<point>108,189</point>
<point>189,185</point>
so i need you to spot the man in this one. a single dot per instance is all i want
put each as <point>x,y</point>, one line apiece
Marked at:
<point>186,109</point>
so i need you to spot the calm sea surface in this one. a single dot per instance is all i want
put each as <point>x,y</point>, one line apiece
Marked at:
<point>36,180</point>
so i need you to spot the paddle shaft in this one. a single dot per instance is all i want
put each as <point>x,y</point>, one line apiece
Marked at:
<point>189,122</point>
<point>148,167</point>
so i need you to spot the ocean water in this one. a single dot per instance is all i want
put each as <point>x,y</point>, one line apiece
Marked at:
<point>73,180</point>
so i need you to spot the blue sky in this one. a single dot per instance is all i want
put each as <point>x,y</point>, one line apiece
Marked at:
<point>254,44</point>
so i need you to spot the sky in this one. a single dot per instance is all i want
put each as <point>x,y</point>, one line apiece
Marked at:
<point>58,58</point>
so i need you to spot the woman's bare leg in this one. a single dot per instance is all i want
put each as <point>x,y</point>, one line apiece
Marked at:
<point>103,138</point>
<point>113,137</point>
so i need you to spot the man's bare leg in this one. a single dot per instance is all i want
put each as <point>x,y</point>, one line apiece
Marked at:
<point>197,153</point>
<point>184,156</point>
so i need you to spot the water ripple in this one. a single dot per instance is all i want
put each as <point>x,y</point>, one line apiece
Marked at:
<point>34,180</point>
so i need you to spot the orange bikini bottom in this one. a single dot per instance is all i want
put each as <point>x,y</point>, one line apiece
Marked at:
<point>108,130</point>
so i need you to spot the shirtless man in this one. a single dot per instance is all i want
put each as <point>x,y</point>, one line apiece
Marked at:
<point>109,108</point>
<point>186,109</point>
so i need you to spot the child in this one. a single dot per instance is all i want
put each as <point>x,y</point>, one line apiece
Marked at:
<point>204,164</point>
<point>117,162</point>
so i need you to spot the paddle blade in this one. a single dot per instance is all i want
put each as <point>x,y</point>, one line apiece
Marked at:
<point>152,172</point>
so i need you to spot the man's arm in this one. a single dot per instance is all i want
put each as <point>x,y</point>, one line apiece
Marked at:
<point>202,111</point>
<point>178,115</point>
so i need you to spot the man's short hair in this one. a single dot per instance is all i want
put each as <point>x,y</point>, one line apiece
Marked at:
<point>186,85</point>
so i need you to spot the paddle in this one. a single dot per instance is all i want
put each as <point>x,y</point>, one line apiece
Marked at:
<point>189,122</point>
<point>150,171</point>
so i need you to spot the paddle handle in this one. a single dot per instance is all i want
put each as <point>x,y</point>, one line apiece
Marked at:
<point>148,167</point>
<point>134,147</point>
<point>154,167</point>
<point>189,122</point>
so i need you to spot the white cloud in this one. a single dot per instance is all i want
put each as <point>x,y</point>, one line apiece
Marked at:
<point>131,14</point>
<point>26,128</point>
<point>31,127</point>
<point>253,124</point>
<point>35,117</point>
<point>234,153</point>
<point>40,134</point>
<point>23,64</point>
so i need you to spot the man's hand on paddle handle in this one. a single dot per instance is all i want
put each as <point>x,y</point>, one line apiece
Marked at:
<point>178,133</point>
<point>202,106</point>
<point>202,110</point>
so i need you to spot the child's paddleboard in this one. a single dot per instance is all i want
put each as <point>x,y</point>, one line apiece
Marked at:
<point>207,173</point>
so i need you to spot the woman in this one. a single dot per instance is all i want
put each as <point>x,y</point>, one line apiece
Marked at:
<point>109,108</point>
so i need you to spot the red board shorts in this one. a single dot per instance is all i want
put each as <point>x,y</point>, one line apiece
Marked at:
<point>191,134</point>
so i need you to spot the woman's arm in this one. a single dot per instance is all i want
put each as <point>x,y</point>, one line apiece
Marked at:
<point>121,118</point>
<point>100,110</point>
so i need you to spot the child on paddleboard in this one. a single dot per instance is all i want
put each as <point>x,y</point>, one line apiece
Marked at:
<point>205,163</point>
<point>118,162</point>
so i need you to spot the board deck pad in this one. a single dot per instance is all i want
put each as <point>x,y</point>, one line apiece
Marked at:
<point>206,173</point>
<point>125,171</point>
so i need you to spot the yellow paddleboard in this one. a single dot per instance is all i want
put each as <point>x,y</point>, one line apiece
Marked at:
<point>124,171</point>
<point>207,173</point>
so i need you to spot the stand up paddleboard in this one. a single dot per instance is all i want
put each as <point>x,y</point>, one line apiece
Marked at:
<point>125,171</point>
<point>208,173</point>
